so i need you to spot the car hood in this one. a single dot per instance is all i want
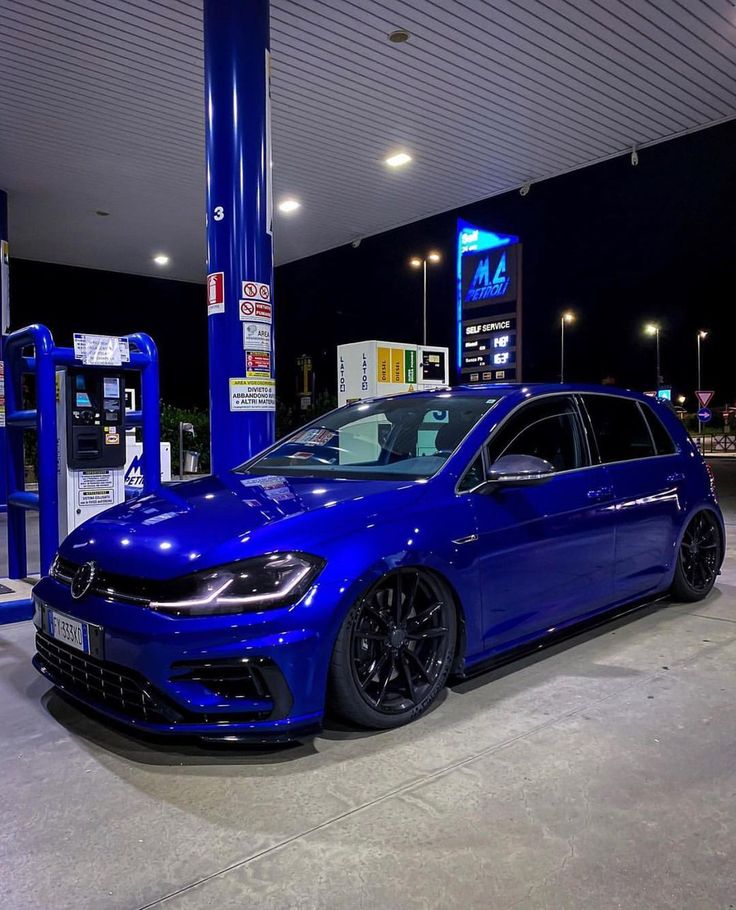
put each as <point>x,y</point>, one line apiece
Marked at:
<point>190,526</point>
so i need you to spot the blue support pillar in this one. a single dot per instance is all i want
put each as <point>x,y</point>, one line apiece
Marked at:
<point>239,242</point>
<point>4,323</point>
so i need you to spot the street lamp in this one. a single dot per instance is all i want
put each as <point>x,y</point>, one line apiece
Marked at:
<point>565,319</point>
<point>651,328</point>
<point>418,262</point>
<point>701,336</point>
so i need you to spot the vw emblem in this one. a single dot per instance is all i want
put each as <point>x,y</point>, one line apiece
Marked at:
<point>83,579</point>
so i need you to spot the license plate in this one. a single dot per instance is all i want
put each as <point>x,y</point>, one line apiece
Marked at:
<point>71,631</point>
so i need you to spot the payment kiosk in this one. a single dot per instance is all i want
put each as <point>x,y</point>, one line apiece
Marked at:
<point>91,443</point>
<point>80,421</point>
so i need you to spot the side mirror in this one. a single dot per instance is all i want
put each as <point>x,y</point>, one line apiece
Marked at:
<point>517,470</point>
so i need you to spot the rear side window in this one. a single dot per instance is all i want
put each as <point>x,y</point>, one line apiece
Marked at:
<point>662,439</point>
<point>620,429</point>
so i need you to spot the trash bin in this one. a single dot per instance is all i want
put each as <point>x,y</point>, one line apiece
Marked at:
<point>191,462</point>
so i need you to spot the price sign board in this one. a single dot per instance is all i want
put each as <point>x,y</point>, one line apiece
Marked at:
<point>489,306</point>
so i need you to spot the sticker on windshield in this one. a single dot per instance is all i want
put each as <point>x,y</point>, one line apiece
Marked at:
<point>317,436</point>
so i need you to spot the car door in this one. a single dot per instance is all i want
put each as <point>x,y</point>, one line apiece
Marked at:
<point>545,551</point>
<point>646,474</point>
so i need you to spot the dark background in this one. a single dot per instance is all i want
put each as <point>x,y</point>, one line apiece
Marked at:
<point>618,244</point>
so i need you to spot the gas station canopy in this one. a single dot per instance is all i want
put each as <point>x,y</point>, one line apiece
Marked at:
<point>102,113</point>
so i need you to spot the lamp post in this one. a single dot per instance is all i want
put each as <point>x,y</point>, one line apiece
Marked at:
<point>701,336</point>
<point>421,262</point>
<point>652,328</point>
<point>565,319</point>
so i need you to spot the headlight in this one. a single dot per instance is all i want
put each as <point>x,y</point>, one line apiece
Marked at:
<point>252,584</point>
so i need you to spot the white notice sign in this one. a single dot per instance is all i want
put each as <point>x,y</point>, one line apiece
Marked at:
<point>95,479</point>
<point>256,336</point>
<point>101,350</point>
<point>252,395</point>
<point>96,498</point>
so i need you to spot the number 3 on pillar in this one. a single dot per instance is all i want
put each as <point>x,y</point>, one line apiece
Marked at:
<point>219,213</point>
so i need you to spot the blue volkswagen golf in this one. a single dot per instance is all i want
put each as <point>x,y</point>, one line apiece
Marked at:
<point>360,561</point>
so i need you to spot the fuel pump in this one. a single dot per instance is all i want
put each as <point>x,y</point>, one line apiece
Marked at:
<point>91,443</point>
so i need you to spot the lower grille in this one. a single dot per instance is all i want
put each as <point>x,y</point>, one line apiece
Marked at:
<point>132,695</point>
<point>103,683</point>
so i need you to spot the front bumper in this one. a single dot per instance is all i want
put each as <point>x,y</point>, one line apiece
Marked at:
<point>258,677</point>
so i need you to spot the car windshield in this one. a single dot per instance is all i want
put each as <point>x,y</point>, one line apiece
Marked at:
<point>407,437</point>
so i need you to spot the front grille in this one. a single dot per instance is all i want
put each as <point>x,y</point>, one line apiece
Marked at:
<point>111,585</point>
<point>103,683</point>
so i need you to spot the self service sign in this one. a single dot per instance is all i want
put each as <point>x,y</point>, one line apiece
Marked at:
<point>489,305</point>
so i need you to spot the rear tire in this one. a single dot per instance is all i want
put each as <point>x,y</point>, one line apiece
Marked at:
<point>394,651</point>
<point>699,558</point>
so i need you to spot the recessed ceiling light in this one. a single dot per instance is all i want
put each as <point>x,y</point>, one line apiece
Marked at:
<point>289,205</point>
<point>161,259</point>
<point>398,36</point>
<point>398,160</point>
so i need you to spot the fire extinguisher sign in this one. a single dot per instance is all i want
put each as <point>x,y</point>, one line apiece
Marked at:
<point>215,293</point>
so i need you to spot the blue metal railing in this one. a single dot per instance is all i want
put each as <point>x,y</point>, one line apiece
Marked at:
<point>43,363</point>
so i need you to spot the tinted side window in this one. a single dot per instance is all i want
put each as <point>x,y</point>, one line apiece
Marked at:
<point>660,434</point>
<point>547,428</point>
<point>619,427</point>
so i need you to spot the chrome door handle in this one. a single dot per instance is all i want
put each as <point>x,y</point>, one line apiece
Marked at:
<point>601,494</point>
<point>676,477</point>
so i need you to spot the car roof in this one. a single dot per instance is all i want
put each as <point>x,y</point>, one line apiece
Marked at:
<point>525,389</point>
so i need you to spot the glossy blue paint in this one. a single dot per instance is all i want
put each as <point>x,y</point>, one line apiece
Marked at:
<point>239,243</point>
<point>522,562</point>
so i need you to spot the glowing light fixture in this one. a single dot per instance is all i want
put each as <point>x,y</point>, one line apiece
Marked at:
<point>289,205</point>
<point>161,259</point>
<point>398,160</point>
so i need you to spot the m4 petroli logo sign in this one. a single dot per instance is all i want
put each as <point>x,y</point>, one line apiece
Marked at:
<point>489,276</point>
<point>483,286</point>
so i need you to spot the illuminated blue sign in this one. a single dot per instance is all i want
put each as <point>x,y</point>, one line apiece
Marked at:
<point>487,304</point>
<point>483,286</point>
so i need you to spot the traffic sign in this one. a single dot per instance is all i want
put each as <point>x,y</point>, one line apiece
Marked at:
<point>705,415</point>
<point>704,397</point>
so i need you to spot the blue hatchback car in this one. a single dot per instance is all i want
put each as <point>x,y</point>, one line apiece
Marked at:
<point>360,561</point>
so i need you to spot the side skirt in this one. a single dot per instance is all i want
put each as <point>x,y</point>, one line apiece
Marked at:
<point>553,638</point>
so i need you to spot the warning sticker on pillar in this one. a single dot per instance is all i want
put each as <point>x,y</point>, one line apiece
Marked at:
<point>255,311</point>
<point>258,364</point>
<point>215,293</point>
<point>255,290</point>
<point>252,394</point>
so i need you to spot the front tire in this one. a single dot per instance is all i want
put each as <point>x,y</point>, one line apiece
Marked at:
<point>699,558</point>
<point>394,651</point>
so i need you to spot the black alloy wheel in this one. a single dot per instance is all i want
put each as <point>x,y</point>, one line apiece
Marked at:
<point>395,650</point>
<point>699,558</point>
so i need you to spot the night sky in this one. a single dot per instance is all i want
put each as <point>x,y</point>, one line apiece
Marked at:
<point>618,244</point>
